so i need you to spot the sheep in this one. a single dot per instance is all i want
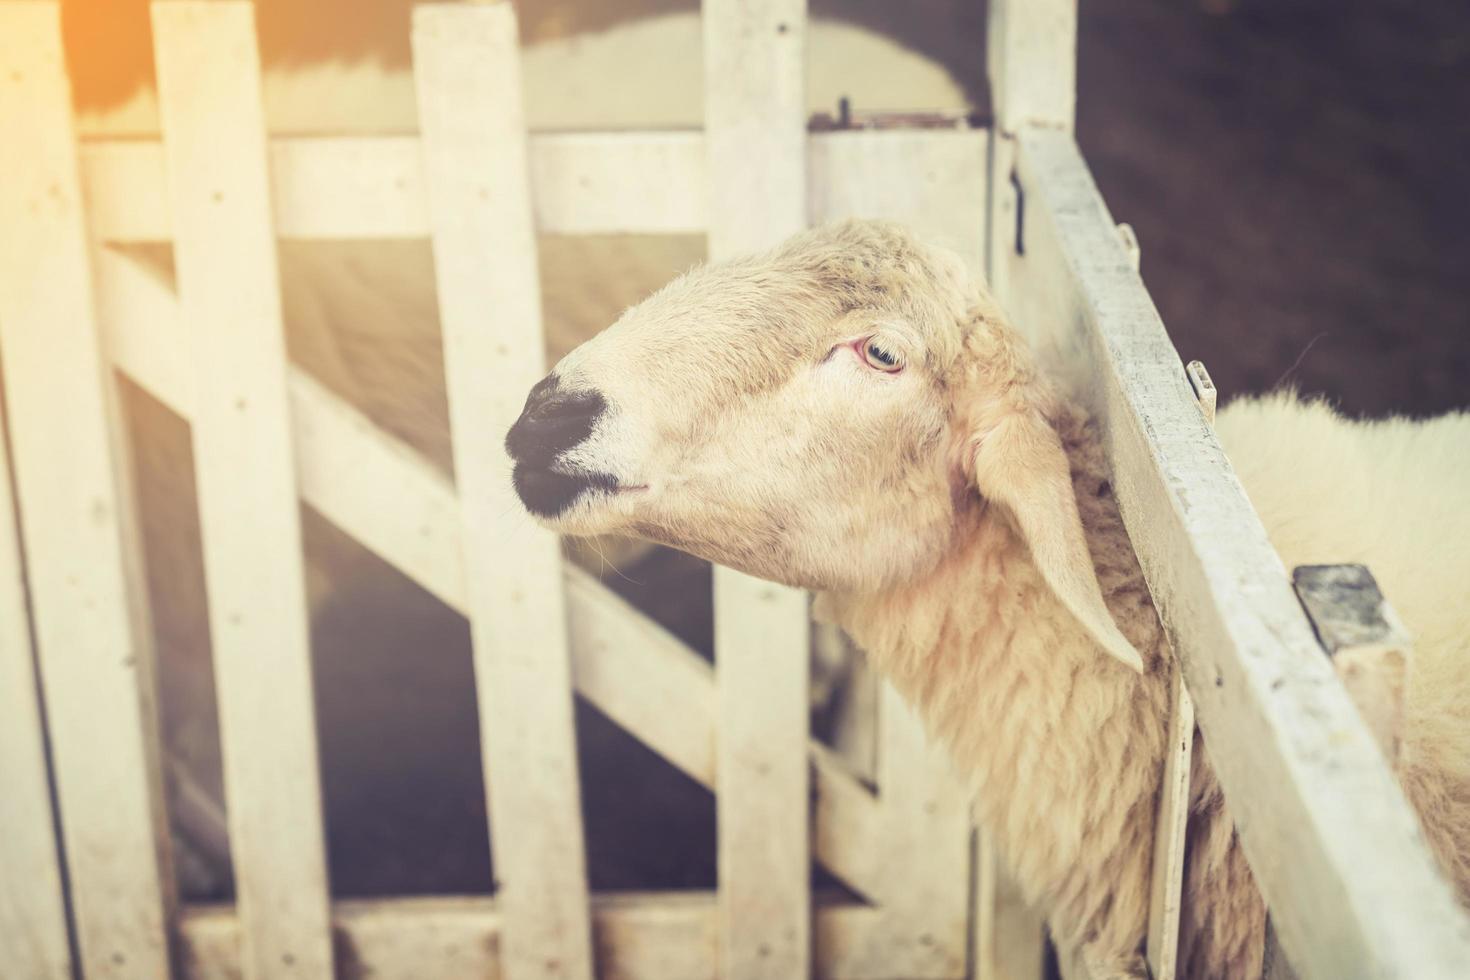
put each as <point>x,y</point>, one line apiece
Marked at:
<point>360,316</point>
<point>850,413</point>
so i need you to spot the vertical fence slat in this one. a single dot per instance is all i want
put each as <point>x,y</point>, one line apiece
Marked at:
<point>1032,62</point>
<point>33,941</point>
<point>229,294</point>
<point>91,627</point>
<point>466,63</point>
<point>927,843</point>
<point>755,130</point>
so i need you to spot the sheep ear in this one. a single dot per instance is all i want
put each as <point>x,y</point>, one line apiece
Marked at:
<point>1020,464</point>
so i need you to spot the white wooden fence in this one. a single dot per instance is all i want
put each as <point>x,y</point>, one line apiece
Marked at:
<point>1312,796</point>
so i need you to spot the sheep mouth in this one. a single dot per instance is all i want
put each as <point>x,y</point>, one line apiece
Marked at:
<point>549,493</point>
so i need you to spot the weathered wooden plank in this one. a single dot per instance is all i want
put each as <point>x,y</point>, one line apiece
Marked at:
<point>592,183</point>
<point>581,183</point>
<point>1010,937</point>
<point>224,252</point>
<point>924,864</point>
<point>1172,820</point>
<point>1031,59</point>
<point>1167,883</point>
<point>33,940</point>
<point>755,122</point>
<point>639,936</point>
<point>1333,844</point>
<point>932,180</point>
<point>755,134</point>
<point>673,703</point>
<point>467,70</point>
<point>92,636</point>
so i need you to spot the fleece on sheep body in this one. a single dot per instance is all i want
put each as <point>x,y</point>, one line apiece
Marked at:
<point>1062,747</point>
<point>1390,494</point>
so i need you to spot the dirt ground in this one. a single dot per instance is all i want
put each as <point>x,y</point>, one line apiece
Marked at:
<point>1296,172</point>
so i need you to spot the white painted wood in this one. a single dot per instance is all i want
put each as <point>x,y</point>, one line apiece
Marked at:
<point>224,252</point>
<point>1166,886</point>
<point>762,791</point>
<point>1010,937</point>
<point>1172,821</point>
<point>1333,844</point>
<point>592,183</point>
<point>755,134</point>
<point>467,69</point>
<point>642,678</point>
<point>640,936</point>
<point>33,940</point>
<point>581,183</point>
<point>92,635</point>
<point>373,187</point>
<point>1031,59</point>
<point>933,180</point>
<point>924,862</point>
<point>1199,378</point>
<point>755,122</point>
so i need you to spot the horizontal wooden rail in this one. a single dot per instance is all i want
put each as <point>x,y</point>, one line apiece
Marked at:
<point>1333,844</point>
<point>651,936</point>
<point>581,183</point>
<point>399,506</point>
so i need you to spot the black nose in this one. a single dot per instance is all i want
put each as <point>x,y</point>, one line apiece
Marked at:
<point>552,422</point>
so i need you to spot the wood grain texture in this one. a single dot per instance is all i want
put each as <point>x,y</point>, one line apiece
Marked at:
<point>33,939</point>
<point>467,69</point>
<point>224,252</point>
<point>651,183</point>
<point>930,179</point>
<point>1333,843</point>
<point>91,629</point>
<point>1031,60</point>
<point>639,936</point>
<point>755,134</point>
<point>1172,820</point>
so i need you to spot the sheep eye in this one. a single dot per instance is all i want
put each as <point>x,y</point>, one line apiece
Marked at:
<point>882,357</point>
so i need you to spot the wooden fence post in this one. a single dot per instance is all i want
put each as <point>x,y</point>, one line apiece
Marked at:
<point>755,130</point>
<point>466,62</point>
<point>224,251</point>
<point>33,939</point>
<point>1031,60</point>
<point>92,634</point>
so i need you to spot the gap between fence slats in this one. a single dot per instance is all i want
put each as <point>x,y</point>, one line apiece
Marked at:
<point>651,183</point>
<point>225,254</point>
<point>33,939</point>
<point>755,138</point>
<point>467,71</point>
<point>1331,840</point>
<point>92,634</point>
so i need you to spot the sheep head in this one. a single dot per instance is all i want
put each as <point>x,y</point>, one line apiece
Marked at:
<point>828,414</point>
